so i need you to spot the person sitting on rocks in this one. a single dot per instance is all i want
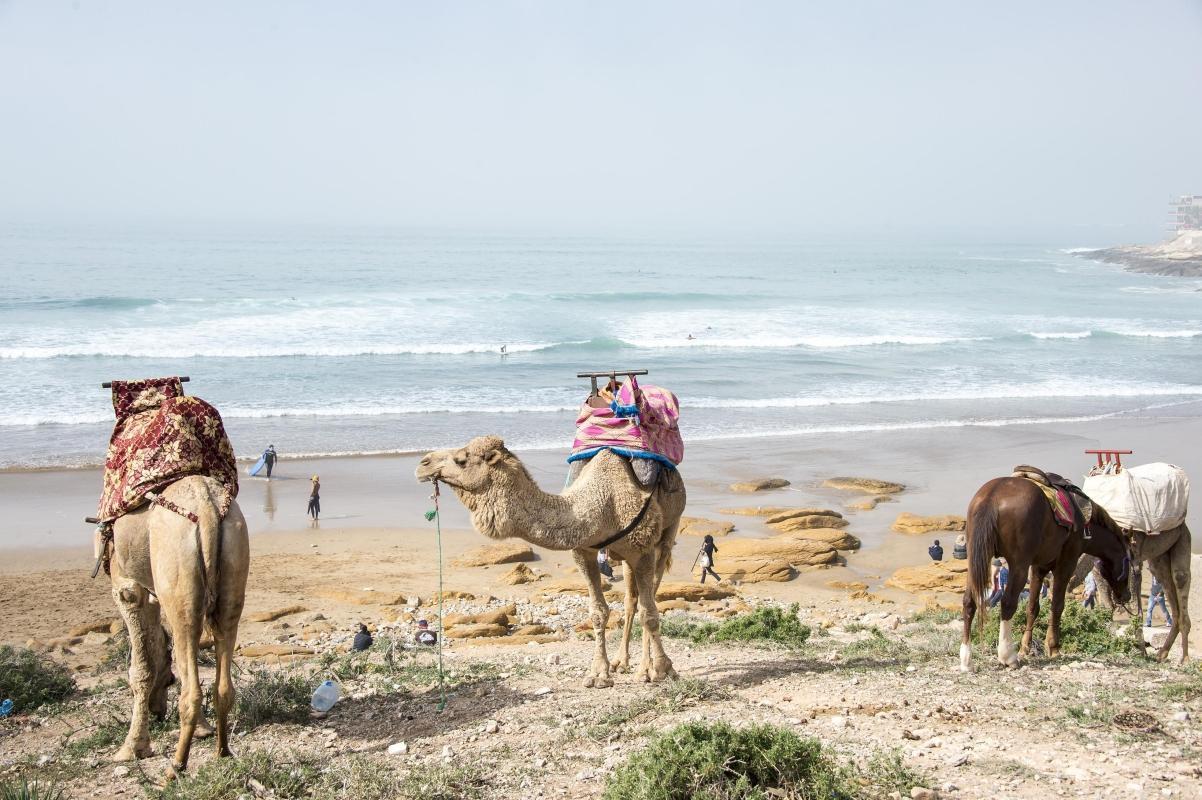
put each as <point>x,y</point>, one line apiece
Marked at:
<point>424,635</point>
<point>960,550</point>
<point>935,551</point>
<point>362,639</point>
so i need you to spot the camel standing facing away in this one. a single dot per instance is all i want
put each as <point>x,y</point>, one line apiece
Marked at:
<point>196,573</point>
<point>505,501</point>
<point>1168,556</point>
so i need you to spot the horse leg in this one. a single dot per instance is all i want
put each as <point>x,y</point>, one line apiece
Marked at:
<point>970,610</point>
<point>1060,580</point>
<point>142,625</point>
<point>1036,579</point>
<point>599,673</point>
<point>1007,656</point>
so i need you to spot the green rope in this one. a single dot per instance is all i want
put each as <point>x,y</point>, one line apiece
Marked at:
<point>434,515</point>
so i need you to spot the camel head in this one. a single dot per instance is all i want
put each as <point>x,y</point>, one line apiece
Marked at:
<point>472,468</point>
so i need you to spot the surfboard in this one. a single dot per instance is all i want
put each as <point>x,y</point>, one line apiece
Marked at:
<point>258,467</point>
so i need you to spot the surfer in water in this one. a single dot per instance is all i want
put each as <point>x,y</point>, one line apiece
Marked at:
<point>504,350</point>
<point>269,459</point>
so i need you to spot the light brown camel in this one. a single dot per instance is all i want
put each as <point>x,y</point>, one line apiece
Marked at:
<point>505,501</point>
<point>196,573</point>
<point>1168,556</point>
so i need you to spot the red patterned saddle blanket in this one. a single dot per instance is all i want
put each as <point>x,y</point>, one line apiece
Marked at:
<point>162,435</point>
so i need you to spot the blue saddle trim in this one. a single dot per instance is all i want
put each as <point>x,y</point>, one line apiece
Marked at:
<point>622,451</point>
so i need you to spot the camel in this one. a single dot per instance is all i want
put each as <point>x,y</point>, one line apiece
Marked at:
<point>196,573</point>
<point>504,501</point>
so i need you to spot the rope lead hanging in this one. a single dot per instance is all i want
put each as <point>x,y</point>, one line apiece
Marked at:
<point>434,515</point>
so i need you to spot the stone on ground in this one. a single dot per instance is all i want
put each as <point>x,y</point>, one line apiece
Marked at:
<point>758,485</point>
<point>361,597</point>
<point>499,553</point>
<point>274,614</point>
<point>806,521</point>
<point>754,511</point>
<point>521,574</point>
<point>912,523</point>
<point>698,526</point>
<point>866,485</point>
<point>692,592</point>
<point>937,576</point>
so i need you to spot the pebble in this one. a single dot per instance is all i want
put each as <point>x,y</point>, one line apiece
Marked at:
<point>120,772</point>
<point>1075,773</point>
<point>923,793</point>
<point>1181,716</point>
<point>398,749</point>
<point>539,763</point>
<point>492,726</point>
<point>447,752</point>
<point>542,691</point>
<point>838,723</point>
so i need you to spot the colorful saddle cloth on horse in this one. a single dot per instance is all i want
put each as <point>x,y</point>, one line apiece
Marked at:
<point>1071,508</point>
<point>641,422</point>
<point>162,435</point>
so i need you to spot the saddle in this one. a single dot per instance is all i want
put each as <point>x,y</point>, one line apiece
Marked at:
<point>1070,506</point>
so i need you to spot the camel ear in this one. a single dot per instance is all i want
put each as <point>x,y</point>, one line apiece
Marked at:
<point>496,455</point>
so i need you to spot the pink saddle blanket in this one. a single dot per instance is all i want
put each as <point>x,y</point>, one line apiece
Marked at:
<point>641,419</point>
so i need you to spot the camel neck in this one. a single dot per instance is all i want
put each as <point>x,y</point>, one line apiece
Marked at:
<point>514,506</point>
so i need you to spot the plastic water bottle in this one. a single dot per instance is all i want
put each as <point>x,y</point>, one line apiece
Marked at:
<point>6,708</point>
<point>326,696</point>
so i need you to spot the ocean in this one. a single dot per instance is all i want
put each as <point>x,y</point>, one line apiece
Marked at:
<point>349,341</point>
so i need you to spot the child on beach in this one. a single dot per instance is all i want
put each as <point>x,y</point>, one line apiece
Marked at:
<point>315,498</point>
<point>706,558</point>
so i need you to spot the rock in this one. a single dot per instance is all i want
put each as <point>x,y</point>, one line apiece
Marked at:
<point>757,570</point>
<point>1181,716</point>
<point>852,586</point>
<point>452,594</point>
<point>838,723</point>
<point>499,616</point>
<point>1076,773</point>
<point>268,616</point>
<point>492,726</point>
<point>532,630</point>
<point>912,523</point>
<point>759,485</point>
<point>791,548</point>
<point>521,574</point>
<point>259,650</point>
<point>698,526</point>
<point>692,592</point>
<point>447,753</point>
<point>398,749</point>
<point>542,691</point>
<point>862,505</point>
<point>806,522</point>
<point>513,640</point>
<point>673,605</point>
<point>866,485</point>
<point>121,771</point>
<point>840,540</point>
<point>474,631</point>
<point>506,552</point>
<point>937,576</point>
<point>783,514</point>
<point>570,586</point>
<point>99,626</point>
<point>755,511</point>
<point>361,597</point>
<point>923,793</point>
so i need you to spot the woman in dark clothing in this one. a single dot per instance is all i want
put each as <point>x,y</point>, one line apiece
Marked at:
<point>315,498</point>
<point>706,557</point>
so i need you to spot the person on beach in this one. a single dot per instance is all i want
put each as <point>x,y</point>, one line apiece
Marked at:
<point>362,639</point>
<point>603,563</point>
<point>1091,592</point>
<point>706,558</point>
<point>315,498</point>
<point>424,635</point>
<point>1156,598</point>
<point>960,550</point>
<point>1001,576</point>
<point>269,459</point>
<point>935,551</point>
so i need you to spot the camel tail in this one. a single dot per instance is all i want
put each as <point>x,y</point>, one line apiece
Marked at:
<point>209,521</point>
<point>982,543</point>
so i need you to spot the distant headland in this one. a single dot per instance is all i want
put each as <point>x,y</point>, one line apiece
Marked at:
<point>1180,256</point>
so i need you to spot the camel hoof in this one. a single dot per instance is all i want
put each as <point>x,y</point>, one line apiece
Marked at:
<point>620,666</point>
<point>203,729</point>
<point>130,752</point>
<point>598,682</point>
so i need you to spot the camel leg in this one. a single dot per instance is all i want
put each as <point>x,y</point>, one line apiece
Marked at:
<point>656,664</point>
<point>185,613</point>
<point>1035,580</point>
<point>622,662</point>
<point>970,610</point>
<point>1176,583</point>
<point>599,677</point>
<point>1060,581</point>
<point>142,624</point>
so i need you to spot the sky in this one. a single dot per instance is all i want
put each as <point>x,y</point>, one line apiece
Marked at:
<point>1007,120</point>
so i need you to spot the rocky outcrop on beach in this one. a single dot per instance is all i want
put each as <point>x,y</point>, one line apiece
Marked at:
<point>759,485</point>
<point>912,523</point>
<point>937,576</point>
<point>693,592</point>
<point>699,526</point>
<point>836,538</point>
<point>798,522</point>
<point>754,511</point>
<point>521,574</point>
<point>499,553</point>
<point>755,560</point>
<point>1181,257</point>
<point>866,485</point>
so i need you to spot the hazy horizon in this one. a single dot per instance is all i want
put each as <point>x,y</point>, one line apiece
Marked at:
<point>1070,123</point>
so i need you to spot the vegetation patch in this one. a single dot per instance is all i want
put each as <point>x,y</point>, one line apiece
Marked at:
<point>265,696</point>
<point>717,761</point>
<point>936,615</point>
<point>31,680</point>
<point>284,777</point>
<point>1083,631</point>
<point>1188,686</point>
<point>877,647</point>
<point>444,782</point>
<point>766,624</point>
<point>116,653</point>
<point>29,790</point>
<point>673,696</point>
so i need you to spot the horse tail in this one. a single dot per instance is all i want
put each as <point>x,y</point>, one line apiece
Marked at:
<point>982,544</point>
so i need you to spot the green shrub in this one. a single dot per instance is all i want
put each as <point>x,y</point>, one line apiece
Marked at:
<point>32,680</point>
<point>271,696</point>
<point>764,624</point>
<point>877,647</point>
<point>1083,631</point>
<point>11,790</point>
<point>936,615</point>
<point>286,777</point>
<point>443,782</point>
<point>1189,687</point>
<point>716,761</point>
<point>885,773</point>
<point>675,695</point>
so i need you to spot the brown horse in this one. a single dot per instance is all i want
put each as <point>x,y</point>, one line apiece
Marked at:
<point>1011,518</point>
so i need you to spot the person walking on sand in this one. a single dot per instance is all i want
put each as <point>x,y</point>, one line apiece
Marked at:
<point>603,563</point>
<point>315,497</point>
<point>1156,598</point>
<point>1091,591</point>
<point>935,551</point>
<point>706,558</point>
<point>269,459</point>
